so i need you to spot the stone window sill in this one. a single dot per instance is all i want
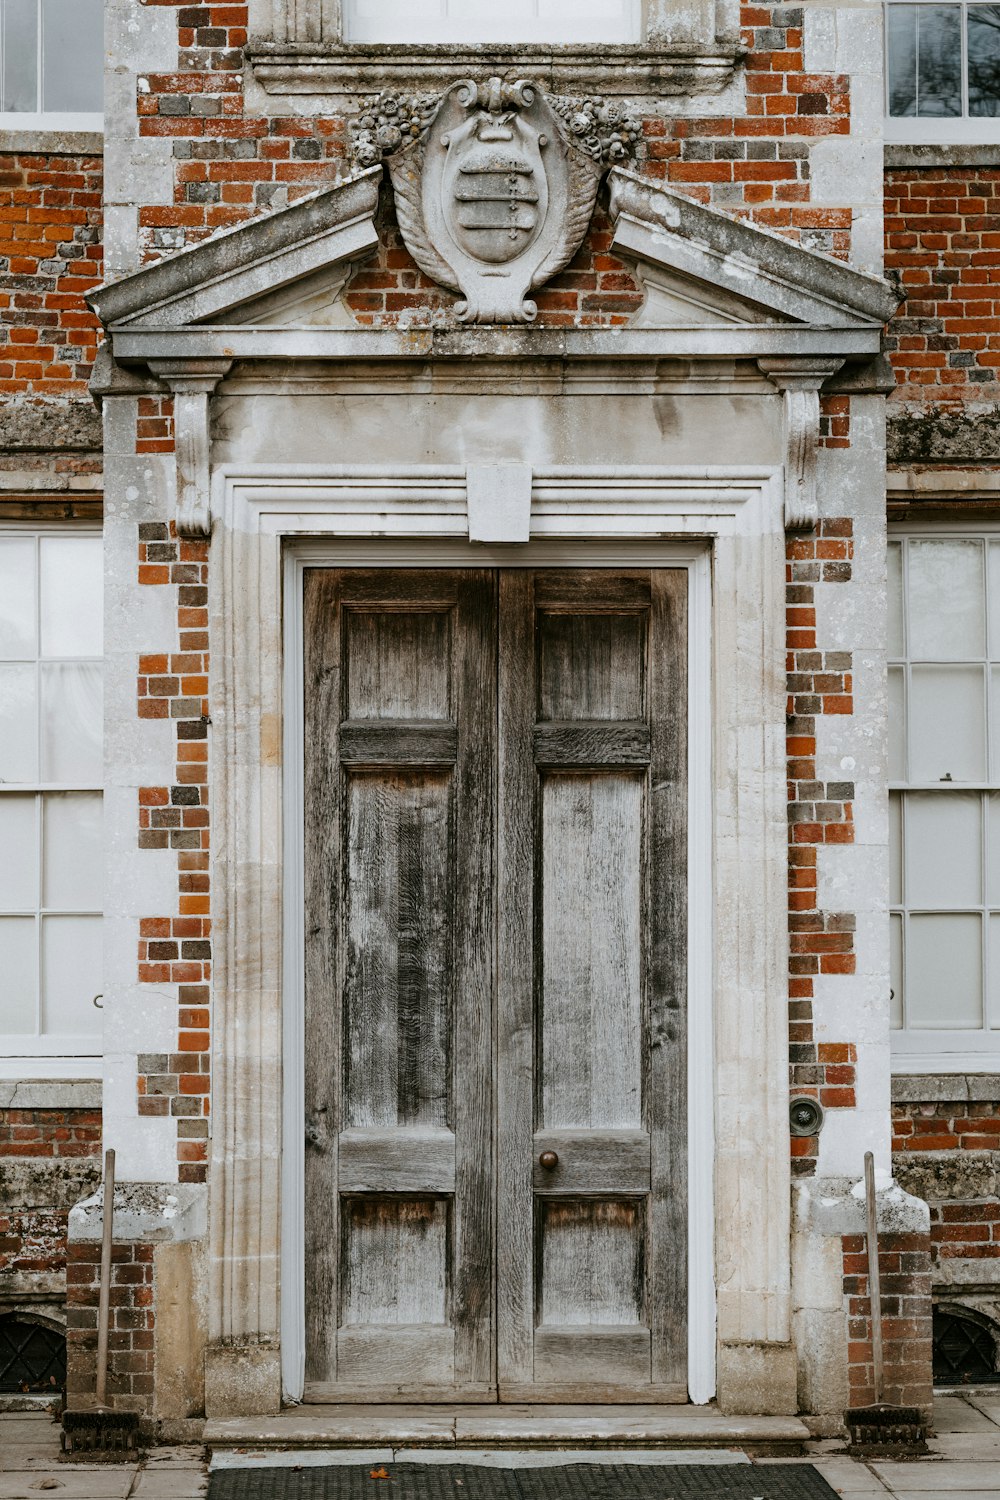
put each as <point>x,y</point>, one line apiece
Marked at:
<point>36,142</point>
<point>625,70</point>
<point>934,1088</point>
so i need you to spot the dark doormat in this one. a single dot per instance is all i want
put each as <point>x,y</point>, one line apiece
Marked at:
<point>611,1481</point>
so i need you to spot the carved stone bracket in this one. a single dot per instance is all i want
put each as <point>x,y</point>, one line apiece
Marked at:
<point>800,382</point>
<point>192,382</point>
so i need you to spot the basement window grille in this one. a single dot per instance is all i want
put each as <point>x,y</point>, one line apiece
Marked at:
<point>965,1352</point>
<point>32,1357</point>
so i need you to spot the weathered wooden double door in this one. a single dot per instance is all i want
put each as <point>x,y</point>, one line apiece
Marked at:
<point>495,1018</point>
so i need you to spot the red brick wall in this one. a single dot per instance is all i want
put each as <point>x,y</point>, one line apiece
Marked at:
<point>942,236</point>
<point>33,1239</point>
<point>50,255</point>
<point>904,1264</point>
<point>131,1333</point>
<point>963,1227</point>
<point>819,813</point>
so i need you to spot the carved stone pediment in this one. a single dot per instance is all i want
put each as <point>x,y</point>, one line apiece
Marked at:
<point>495,184</point>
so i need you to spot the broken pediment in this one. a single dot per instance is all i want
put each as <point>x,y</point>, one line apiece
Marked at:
<point>703,268</point>
<point>285,269</point>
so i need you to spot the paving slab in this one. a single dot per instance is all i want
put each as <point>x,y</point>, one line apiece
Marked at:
<point>939,1478</point>
<point>106,1482</point>
<point>969,1447</point>
<point>169,1484</point>
<point>952,1494</point>
<point>333,1426</point>
<point>955,1414</point>
<point>987,1406</point>
<point>849,1478</point>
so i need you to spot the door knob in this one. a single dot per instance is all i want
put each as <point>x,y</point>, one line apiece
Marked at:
<point>549,1160</point>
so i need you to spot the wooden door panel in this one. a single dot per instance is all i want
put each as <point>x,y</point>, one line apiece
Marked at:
<point>401,719</point>
<point>591,1018</point>
<point>590,1006</point>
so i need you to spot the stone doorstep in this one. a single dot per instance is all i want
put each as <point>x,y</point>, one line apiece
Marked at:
<point>514,1427</point>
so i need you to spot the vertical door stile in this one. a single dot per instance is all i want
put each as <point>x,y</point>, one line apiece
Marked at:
<point>667,976</point>
<point>323,977</point>
<point>515,980</point>
<point>474,929</point>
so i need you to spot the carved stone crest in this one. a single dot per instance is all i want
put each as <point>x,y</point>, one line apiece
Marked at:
<point>495,184</point>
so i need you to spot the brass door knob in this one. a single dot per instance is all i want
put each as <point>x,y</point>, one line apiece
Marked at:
<point>549,1160</point>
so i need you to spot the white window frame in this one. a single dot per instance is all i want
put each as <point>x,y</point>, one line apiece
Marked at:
<point>57,1056</point>
<point>480,27</point>
<point>970,130</point>
<point>41,120</point>
<point>959,1051</point>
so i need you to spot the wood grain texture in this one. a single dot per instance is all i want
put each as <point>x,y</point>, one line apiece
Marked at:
<point>591,745</point>
<point>398,664</point>
<point>596,1356</point>
<point>593,1262</point>
<point>667,977</point>
<point>391,743</point>
<point>397,1003</point>
<point>400,979</point>
<point>591,666</point>
<point>397,1161</point>
<point>591,1023</point>
<point>515,982</point>
<point>589,1159</point>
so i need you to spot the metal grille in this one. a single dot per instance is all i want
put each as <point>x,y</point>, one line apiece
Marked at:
<point>965,1353</point>
<point>32,1356</point>
<point>611,1481</point>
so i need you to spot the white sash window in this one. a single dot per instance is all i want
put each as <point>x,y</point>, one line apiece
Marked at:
<point>944,776</point>
<point>52,64</point>
<point>515,21</point>
<point>50,793</point>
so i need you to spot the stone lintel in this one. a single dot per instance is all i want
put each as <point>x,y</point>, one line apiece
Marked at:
<point>326,68</point>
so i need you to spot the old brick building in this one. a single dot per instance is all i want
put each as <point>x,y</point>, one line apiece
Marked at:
<point>498,816</point>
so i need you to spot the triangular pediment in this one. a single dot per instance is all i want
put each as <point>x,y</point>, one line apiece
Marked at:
<point>285,269</point>
<point>701,268</point>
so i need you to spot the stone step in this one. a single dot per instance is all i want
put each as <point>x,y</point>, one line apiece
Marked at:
<point>458,1427</point>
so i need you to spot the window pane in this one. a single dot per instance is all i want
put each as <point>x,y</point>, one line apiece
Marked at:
<point>947,724</point>
<point>20,55</point>
<point>947,609</point>
<point>939,61</point>
<point>943,849</point>
<point>944,972</point>
<point>70,568</point>
<point>18,760</point>
<point>897,645</point>
<point>18,853</point>
<point>18,955</point>
<point>17,597</point>
<point>895,849</point>
<point>993,999</point>
<point>984,59</point>
<point>995,720</point>
<point>994,587</point>
<point>73,55</point>
<point>72,851</point>
<point>993,859</point>
<point>897,724</point>
<point>896,972</point>
<point>901,23</point>
<point>71,975</point>
<point>71,722</point>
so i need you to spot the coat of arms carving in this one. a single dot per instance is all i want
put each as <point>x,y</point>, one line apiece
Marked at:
<point>495,184</point>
